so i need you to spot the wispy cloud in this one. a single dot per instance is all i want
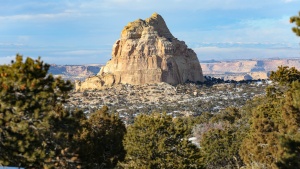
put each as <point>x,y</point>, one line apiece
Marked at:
<point>10,44</point>
<point>288,1</point>
<point>75,60</point>
<point>62,30</point>
<point>245,45</point>
<point>39,16</point>
<point>253,32</point>
<point>6,59</point>
<point>207,53</point>
<point>80,52</point>
<point>187,4</point>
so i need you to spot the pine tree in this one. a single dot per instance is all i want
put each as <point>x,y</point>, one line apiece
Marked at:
<point>220,138</point>
<point>296,20</point>
<point>30,112</point>
<point>285,75</point>
<point>159,141</point>
<point>260,148</point>
<point>62,134</point>
<point>101,140</point>
<point>290,139</point>
<point>274,137</point>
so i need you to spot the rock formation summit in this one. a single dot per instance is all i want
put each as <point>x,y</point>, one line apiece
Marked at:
<point>147,52</point>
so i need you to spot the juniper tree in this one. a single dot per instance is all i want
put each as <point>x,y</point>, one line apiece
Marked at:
<point>296,20</point>
<point>274,137</point>
<point>290,139</point>
<point>101,140</point>
<point>285,75</point>
<point>220,138</point>
<point>159,141</point>
<point>259,149</point>
<point>32,119</point>
<point>65,126</point>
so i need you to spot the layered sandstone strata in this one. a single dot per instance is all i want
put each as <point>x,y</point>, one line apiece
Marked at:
<point>147,52</point>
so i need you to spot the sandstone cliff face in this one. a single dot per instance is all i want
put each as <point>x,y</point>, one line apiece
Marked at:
<point>246,69</point>
<point>147,52</point>
<point>74,72</point>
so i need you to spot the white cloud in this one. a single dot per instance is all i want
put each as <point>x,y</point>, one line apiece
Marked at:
<point>168,5</point>
<point>258,45</point>
<point>67,13</point>
<point>80,52</point>
<point>11,44</point>
<point>282,21</point>
<point>207,53</point>
<point>125,1</point>
<point>7,59</point>
<point>86,23</point>
<point>115,7</point>
<point>288,1</point>
<point>267,32</point>
<point>75,60</point>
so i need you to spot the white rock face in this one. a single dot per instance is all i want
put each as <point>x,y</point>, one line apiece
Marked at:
<point>147,52</point>
<point>237,69</point>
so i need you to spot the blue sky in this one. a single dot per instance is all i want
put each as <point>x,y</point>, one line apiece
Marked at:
<point>83,31</point>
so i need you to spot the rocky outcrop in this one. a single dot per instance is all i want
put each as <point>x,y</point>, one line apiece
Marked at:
<point>147,52</point>
<point>74,72</point>
<point>247,66</point>
<point>246,69</point>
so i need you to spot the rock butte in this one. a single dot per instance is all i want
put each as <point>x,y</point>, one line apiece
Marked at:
<point>147,52</point>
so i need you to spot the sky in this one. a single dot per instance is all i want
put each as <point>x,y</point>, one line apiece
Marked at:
<point>72,32</point>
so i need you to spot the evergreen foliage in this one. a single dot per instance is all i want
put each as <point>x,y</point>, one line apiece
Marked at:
<point>64,127</point>
<point>273,140</point>
<point>290,139</point>
<point>285,75</point>
<point>36,131</point>
<point>159,141</point>
<point>260,148</point>
<point>28,100</point>
<point>296,20</point>
<point>101,140</point>
<point>220,138</point>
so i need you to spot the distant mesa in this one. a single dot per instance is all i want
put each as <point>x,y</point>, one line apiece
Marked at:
<point>147,52</point>
<point>74,72</point>
<point>251,69</point>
